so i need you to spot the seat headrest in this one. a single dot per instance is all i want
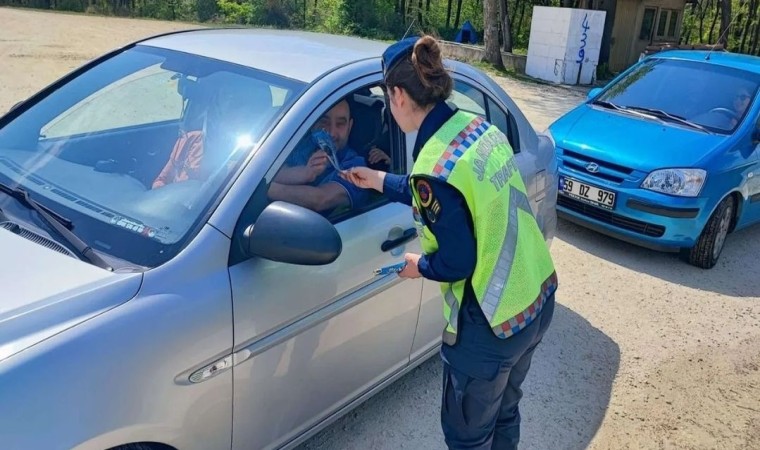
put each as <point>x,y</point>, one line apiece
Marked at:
<point>368,121</point>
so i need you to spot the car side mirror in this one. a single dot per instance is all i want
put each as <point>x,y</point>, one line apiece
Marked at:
<point>593,93</point>
<point>294,235</point>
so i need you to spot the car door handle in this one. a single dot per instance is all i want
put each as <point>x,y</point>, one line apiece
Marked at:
<point>407,236</point>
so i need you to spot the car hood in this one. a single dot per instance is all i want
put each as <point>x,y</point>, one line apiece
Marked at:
<point>631,141</point>
<point>45,292</point>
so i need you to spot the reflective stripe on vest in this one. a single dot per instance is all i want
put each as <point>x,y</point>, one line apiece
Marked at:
<point>453,303</point>
<point>498,279</point>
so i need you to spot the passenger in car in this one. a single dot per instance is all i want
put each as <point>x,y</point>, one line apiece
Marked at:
<point>309,180</point>
<point>235,104</point>
<point>378,159</point>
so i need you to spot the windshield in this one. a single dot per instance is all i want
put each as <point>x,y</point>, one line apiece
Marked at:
<point>712,96</point>
<point>135,150</point>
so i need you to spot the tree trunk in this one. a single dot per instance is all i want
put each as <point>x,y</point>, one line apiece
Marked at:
<point>459,13</point>
<point>419,13</point>
<point>703,9</point>
<point>747,23</point>
<point>506,28</point>
<point>725,22</point>
<point>448,15</point>
<point>520,21</point>
<point>755,37</point>
<point>714,22</point>
<point>491,33</point>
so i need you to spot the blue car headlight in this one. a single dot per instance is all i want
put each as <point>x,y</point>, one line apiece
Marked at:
<point>681,182</point>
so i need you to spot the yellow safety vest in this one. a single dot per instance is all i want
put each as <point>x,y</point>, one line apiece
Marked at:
<point>514,273</point>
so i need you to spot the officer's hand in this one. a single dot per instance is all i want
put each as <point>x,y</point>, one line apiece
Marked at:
<point>411,270</point>
<point>364,177</point>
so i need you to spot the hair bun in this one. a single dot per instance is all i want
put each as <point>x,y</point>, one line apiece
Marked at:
<point>427,62</point>
<point>423,75</point>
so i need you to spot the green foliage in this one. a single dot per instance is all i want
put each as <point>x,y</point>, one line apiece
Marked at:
<point>233,11</point>
<point>206,9</point>
<point>390,19</point>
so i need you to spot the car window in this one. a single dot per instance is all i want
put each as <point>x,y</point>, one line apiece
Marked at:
<point>505,123</point>
<point>710,95</point>
<point>135,150</point>
<point>146,96</point>
<point>470,99</point>
<point>467,98</point>
<point>356,127</point>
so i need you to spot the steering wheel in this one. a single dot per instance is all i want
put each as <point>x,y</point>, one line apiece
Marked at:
<point>725,111</point>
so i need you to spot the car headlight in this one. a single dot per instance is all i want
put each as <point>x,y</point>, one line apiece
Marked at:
<point>682,182</point>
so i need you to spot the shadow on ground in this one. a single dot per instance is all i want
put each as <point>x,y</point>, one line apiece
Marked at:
<point>566,397</point>
<point>736,273</point>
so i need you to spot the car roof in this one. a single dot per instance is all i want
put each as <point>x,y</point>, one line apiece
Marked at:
<point>299,55</point>
<point>735,60</point>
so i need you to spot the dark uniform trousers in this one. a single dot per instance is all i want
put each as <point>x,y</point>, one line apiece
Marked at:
<point>482,375</point>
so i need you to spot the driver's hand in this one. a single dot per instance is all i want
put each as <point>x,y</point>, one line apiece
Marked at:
<point>317,164</point>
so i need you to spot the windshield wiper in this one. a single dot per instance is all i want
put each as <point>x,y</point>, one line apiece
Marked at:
<point>608,105</point>
<point>61,225</point>
<point>672,117</point>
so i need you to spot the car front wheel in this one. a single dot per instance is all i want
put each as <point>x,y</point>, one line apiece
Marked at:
<point>710,244</point>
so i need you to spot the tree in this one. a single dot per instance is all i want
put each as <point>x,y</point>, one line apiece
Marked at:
<point>725,22</point>
<point>506,27</point>
<point>491,33</point>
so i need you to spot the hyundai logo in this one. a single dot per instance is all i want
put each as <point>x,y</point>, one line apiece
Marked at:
<point>592,167</point>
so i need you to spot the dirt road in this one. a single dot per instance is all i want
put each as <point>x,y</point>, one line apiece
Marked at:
<point>645,352</point>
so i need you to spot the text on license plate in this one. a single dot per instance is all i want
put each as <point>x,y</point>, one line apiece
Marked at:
<point>583,191</point>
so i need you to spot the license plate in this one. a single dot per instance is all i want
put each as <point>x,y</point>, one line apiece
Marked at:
<point>587,193</point>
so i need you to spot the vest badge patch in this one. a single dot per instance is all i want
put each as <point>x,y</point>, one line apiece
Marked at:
<point>425,192</point>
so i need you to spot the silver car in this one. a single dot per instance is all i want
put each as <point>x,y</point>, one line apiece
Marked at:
<point>196,313</point>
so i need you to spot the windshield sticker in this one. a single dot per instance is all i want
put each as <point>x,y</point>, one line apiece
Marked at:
<point>134,226</point>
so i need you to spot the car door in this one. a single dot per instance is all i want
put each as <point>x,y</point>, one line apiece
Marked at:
<point>468,97</point>
<point>752,212</point>
<point>313,338</point>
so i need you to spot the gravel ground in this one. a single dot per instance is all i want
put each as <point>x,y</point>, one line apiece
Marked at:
<point>644,350</point>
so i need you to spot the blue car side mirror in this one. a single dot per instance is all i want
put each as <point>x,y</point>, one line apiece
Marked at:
<point>593,93</point>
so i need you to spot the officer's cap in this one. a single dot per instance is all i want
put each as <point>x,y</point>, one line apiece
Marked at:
<point>397,52</point>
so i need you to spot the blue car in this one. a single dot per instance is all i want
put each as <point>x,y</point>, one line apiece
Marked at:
<point>666,155</point>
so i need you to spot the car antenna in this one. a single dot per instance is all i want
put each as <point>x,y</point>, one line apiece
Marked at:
<point>707,58</point>
<point>408,29</point>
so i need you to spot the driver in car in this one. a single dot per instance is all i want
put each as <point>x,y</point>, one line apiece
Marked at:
<point>740,104</point>
<point>232,111</point>
<point>310,180</point>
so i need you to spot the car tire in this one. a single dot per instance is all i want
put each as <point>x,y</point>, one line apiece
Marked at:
<point>710,244</point>
<point>138,446</point>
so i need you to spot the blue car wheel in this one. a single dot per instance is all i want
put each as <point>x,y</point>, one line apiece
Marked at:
<point>710,244</point>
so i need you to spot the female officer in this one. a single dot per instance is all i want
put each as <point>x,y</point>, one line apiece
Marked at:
<point>480,241</point>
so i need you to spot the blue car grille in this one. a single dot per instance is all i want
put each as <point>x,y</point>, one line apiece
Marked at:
<point>637,226</point>
<point>607,171</point>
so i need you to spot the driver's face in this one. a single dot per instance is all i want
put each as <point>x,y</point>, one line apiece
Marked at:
<point>741,102</point>
<point>337,122</point>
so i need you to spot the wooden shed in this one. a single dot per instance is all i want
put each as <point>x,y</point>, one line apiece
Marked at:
<point>633,25</point>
